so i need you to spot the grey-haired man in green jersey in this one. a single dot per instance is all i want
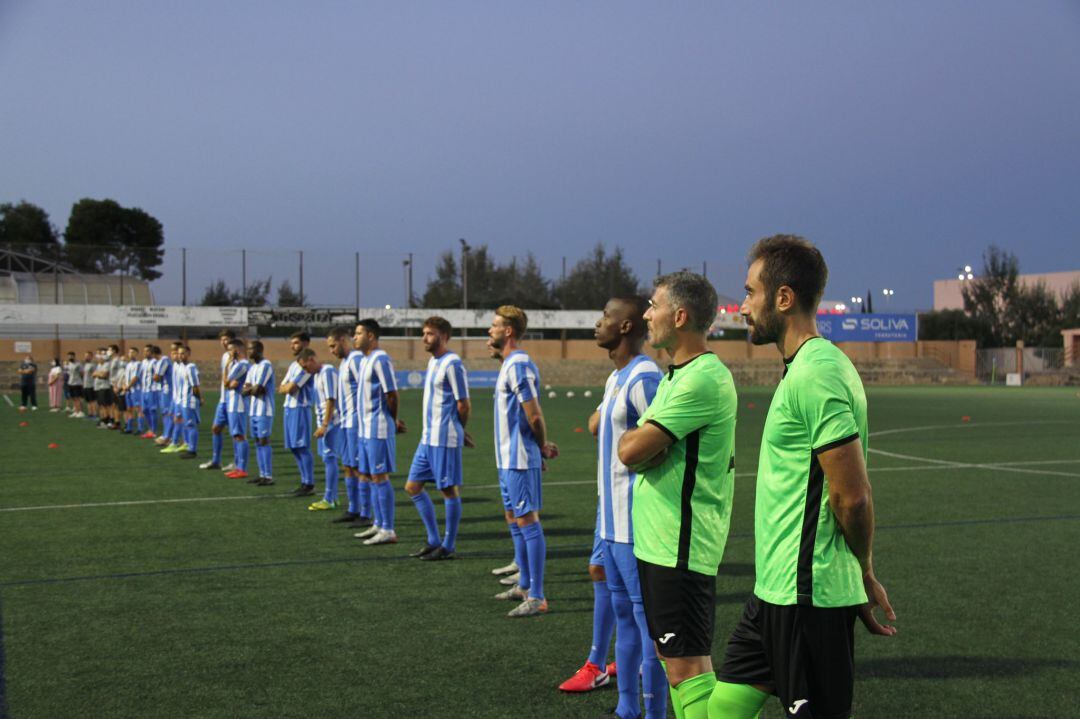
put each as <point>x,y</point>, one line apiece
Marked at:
<point>813,513</point>
<point>683,451</point>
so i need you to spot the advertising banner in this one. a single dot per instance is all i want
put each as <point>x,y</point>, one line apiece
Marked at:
<point>869,328</point>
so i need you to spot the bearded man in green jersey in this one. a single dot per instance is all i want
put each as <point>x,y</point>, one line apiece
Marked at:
<point>813,513</point>
<point>683,453</point>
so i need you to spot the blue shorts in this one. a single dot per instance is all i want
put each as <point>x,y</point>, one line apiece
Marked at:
<point>261,426</point>
<point>332,444</point>
<point>164,400</point>
<point>376,456</point>
<point>596,559</point>
<point>297,427</point>
<point>351,450</point>
<point>621,567</point>
<point>221,417</point>
<point>520,490</point>
<point>441,465</point>
<point>133,399</point>
<point>237,423</point>
<point>178,409</point>
<point>192,416</point>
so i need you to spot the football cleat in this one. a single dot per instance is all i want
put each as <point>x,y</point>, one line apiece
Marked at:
<point>304,490</point>
<point>321,505</point>
<point>146,435</point>
<point>210,465</point>
<point>510,579</point>
<point>586,679</point>
<point>508,569</point>
<point>346,517</point>
<point>424,550</point>
<point>265,481</point>
<point>229,467</point>
<point>384,536</point>
<point>237,474</point>
<point>514,594</point>
<point>529,608</point>
<point>188,455</point>
<point>369,532</point>
<point>440,554</point>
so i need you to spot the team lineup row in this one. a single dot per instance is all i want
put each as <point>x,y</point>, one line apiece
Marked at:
<point>665,477</point>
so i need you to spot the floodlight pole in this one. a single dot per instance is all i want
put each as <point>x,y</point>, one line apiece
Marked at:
<point>243,274</point>
<point>183,276</point>
<point>357,281</point>
<point>302,298</point>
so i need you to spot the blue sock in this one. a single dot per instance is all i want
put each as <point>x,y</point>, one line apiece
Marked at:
<point>216,443</point>
<point>627,654</point>
<point>521,555</point>
<point>151,417</point>
<point>140,423</point>
<point>654,682</point>
<point>537,550</point>
<point>166,426</point>
<point>603,625</point>
<point>193,437</point>
<point>307,466</point>
<point>241,448</point>
<point>331,480</point>
<point>363,498</point>
<point>386,489</point>
<point>352,491</point>
<point>177,431</point>
<point>426,509</point>
<point>128,423</point>
<point>376,503</point>
<point>453,520</point>
<point>265,454</point>
<point>300,463</point>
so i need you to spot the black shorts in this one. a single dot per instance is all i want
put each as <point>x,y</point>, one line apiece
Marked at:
<point>807,654</point>
<point>680,609</point>
<point>76,391</point>
<point>88,394</point>
<point>104,397</point>
<point>121,402</point>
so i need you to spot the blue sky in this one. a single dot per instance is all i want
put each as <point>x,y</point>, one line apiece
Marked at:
<point>902,137</point>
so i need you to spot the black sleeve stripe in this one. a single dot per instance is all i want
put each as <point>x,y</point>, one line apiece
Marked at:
<point>663,429</point>
<point>835,443</point>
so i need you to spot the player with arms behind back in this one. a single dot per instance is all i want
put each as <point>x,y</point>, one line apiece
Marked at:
<point>683,451</point>
<point>813,513</point>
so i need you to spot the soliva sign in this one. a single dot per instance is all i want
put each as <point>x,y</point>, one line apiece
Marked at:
<point>869,328</point>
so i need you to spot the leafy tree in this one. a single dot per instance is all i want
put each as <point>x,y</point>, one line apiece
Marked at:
<point>103,237</point>
<point>218,294</point>
<point>1036,316</point>
<point>444,290</point>
<point>523,285</point>
<point>990,298</point>
<point>288,297</point>
<point>26,228</point>
<point>485,282</point>
<point>595,279</point>
<point>1070,308</point>
<point>951,325</point>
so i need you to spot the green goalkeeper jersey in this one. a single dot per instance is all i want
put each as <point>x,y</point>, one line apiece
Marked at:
<point>801,556</point>
<point>682,507</point>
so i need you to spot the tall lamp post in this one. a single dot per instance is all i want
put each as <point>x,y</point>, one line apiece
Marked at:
<point>464,281</point>
<point>888,294</point>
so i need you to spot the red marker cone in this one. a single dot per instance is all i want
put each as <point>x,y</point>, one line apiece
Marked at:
<point>750,405</point>
<point>24,423</point>
<point>965,418</point>
<point>53,445</point>
<point>579,429</point>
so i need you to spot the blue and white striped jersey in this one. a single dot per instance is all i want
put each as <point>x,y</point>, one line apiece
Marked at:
<point>180,389</point>
<point>326,387</point>
<point>515,443</point>
<point>178,377</point>
<point>445,383</point>
<point>261,374</point>
<point>192,382</point>
<point>627,395</point>
<point>147,374</point>
<point>301,379</point>
<point>163,368</point>
<point>133,375</point>
<point>348,387</point>
<point>234,401</point>
<point>376,379</point>
<point>224,364</point>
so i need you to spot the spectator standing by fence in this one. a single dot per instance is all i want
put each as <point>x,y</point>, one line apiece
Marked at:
<point>28,383</point>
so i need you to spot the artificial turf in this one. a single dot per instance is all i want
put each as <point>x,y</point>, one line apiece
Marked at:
<point>133,584</point>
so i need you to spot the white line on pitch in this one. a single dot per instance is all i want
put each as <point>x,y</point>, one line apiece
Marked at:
<point>8,400</point>
<point>1004,467</point>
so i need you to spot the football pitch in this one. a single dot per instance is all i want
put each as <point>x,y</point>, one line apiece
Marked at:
<point>135,585</point>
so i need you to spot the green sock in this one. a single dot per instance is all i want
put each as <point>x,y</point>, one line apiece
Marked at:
<point>694,695</point>
<point>676,705</point>
<point>736,701</point>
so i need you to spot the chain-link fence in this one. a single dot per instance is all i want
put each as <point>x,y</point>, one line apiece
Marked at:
<point>992,365</point>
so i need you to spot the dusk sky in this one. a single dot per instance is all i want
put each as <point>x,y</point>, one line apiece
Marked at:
<point>903,138</point>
